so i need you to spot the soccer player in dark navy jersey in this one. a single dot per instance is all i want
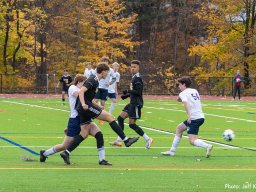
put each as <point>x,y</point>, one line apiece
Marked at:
<point>133,109</point>
<point>88,109</point>
<point>66,81</point>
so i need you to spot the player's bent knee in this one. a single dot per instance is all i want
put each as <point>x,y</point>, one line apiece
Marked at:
<point>110,118</point>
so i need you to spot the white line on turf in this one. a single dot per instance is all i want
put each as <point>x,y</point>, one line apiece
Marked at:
<point>152,129</point>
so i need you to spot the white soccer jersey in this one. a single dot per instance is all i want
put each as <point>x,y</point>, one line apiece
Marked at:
<point>89,72</point>
<point>112,87</point>
<point>72,100</point>
<point>104,83</point>
<point>192,97</point>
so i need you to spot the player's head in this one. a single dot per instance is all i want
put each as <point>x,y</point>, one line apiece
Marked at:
<point>79,79</point>
<point>184,82</point>
<point>115,66</point>
<point>238,72</point>
<point>102,69</point>
<point>135,66</point>
<point>65,71</point>
<point>105,59</point>
<point>89,65</point>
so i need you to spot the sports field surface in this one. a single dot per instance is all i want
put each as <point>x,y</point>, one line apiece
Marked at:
<point>31,124</point>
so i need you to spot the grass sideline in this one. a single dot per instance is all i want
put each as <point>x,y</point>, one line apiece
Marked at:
<point>38,123</point>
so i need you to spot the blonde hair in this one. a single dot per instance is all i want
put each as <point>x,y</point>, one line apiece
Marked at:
<point>115,64</point>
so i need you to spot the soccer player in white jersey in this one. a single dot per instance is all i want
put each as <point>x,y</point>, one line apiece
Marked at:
<point>73,128</point>
<point>112,89</point>
<point>102,92</point>
<point>89,70</point>
<point>192,104</point>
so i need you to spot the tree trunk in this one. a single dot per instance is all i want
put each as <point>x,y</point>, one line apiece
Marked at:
<point>247,80</point>
<point>14,64</point>
<point>6,38</point>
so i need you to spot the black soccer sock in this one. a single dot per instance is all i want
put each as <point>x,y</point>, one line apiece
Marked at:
<point>120,122</point>
<point>77,140</point>
<point>137,129</point>
<point>117,129</point>
<point>99,139</point>
<point>63,99</point>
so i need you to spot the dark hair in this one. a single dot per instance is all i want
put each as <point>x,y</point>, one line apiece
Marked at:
<point>105,59</point>
<point>185,80</point>
<point>102,66</point>
<point>137,62</point>
<point>79,78</point>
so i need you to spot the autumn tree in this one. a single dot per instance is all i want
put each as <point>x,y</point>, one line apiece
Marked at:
<point>230,40</point>
<point>112,28</point>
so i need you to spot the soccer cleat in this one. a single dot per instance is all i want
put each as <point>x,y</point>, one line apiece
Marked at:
<point>208,151</point>
<point>104,162</point>
<point>130,141</point>
<point>42,157</point>
<point>65,157</point>
<point>149,143</point>
<point>168,153</point>
<point>116,144</point>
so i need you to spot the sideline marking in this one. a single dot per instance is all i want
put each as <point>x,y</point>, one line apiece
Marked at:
<point>20,146</point>
<point>158,130</point>
<point>221,116</point>
<point>209,114</point>
<point>208,140</point>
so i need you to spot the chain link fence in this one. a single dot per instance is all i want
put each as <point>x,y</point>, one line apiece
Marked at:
<point>153,85</point>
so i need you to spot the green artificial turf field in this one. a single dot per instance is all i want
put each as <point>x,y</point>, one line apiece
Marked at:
<point>38,124</point>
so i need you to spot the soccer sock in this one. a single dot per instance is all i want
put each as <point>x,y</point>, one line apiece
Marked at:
<point>119,139</point>
<point>50,151</point>
<point>175,143</point>
<point>112,107</point>
<point>120,121</point>
<point>145,136</point>
<point>63,99</point>
<point>118,130</point>
<point>77,140</point>
<point>100,145</point>
<point>200,143</point>
<point>99,139</point>
<point>101,152</point>
<point>137,129</point>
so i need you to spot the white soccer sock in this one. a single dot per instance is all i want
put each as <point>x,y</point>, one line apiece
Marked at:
<point>101,153</point>
<point>112,107</point>
<point>145,136</point>
<point>175,143</point>
<point>200,143</point>
<point>50,151</point>
<point>119,139</point>
<point>125,138</point>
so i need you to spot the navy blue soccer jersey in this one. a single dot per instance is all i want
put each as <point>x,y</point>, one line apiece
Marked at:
<point>65,80</point>
<point>91,84</point>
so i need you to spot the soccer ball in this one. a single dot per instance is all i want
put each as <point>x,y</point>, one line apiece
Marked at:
<point>228,135</point>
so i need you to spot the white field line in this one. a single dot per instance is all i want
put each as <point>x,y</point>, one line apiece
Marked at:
<point>161,108</point>
<point>148,128</point>
<point>209,114</point>
<point>37,106</point>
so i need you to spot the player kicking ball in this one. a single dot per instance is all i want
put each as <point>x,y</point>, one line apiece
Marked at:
<point>192,104</point>
<point>88,110</point>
